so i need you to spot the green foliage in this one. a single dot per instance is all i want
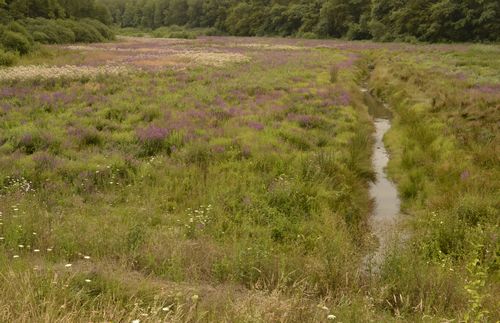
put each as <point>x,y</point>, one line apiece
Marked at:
<point>104,30</point>
<point>45,21</point>
<point>48,31</point>
<point>385,20</point>
<point>455,214</point>
<point>84,32</point>
<point>15,42</point>
<point>8,58</point>
<point>18,28</point>
<point>173,32</point>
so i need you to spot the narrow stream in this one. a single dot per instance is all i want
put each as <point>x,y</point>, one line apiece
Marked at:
<point>386,208</point>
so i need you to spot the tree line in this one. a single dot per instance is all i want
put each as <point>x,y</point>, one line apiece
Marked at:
<point>53,9</point>
<point>386,20</point>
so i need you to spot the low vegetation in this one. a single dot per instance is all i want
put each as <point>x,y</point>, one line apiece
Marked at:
<point>182,177</point>
<point>179,190</point>
<point>445,158</point>
<point>243,188</point>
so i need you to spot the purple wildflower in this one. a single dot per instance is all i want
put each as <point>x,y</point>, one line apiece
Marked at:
<point>152,133</point>
<point>306,121</point>
<point>219,149</point>
<point>255,125</point>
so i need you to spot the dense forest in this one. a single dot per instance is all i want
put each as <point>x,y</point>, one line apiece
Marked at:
<point>24,23</point>
<point>387,20</point>
<point>53,9</point>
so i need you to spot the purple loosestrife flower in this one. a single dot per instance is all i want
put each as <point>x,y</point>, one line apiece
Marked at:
<point>18,92</point>
<point>488,88</point>
<point>44,160</point>
<point>349,62</point>
<point>219,102</point>
<point>255,125</point>
<point>219,149</point>
<point>306,121</point>
<point>246,152</point>
<point>344,98</point>
<point>152,139</point>
<point>152,133</point>
<point>5,107</point>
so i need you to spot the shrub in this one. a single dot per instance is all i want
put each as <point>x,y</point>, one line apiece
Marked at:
<point>16,42</point>
<point>49,32</point>
<point>104,30</point>
<point>7,58</point>
<point>211,32</point>
<point>182,34</point>
<point>18,28</point>
<point>307,35</point>
<point>41,37</point>
<point>84,33</point>
<point>173,32</point>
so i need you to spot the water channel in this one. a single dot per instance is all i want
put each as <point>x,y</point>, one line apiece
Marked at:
<point>386,209</point>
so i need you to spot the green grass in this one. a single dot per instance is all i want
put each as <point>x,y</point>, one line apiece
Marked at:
<point>444,144</point>
<point>239,193</point>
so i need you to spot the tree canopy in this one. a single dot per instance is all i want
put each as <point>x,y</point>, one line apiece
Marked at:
<point>424,20</point>
<point>53,9</point>
<point>387,20</point>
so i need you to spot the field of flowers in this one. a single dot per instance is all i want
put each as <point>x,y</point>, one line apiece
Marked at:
<point>226,180</point>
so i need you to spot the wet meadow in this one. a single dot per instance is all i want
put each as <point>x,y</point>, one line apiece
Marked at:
<point>227,179</point>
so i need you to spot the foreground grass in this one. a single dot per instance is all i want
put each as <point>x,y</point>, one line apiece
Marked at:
<point>239,192</point>
<point>253,178</point>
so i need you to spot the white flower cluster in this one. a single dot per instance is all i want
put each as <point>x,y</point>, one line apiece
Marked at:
<point>18,184</point>
<point>43,72</point>
<point>198,219</point>
<point>270,46</point>
<point>200,216</point>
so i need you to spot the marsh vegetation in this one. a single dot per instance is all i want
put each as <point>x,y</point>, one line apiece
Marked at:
<point>227,179</point>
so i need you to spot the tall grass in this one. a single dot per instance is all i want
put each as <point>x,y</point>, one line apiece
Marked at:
<point>448,265</point>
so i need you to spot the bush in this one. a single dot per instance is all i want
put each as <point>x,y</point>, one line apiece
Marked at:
<point>173,32</point>
<point>18,28</point>
<point>41,37</point>
<point>7,58</point>
<point>48,31</point>
<point>104,30</point>
<point>84,33</point>
<point>307,35</point>
<point>16,42</point>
